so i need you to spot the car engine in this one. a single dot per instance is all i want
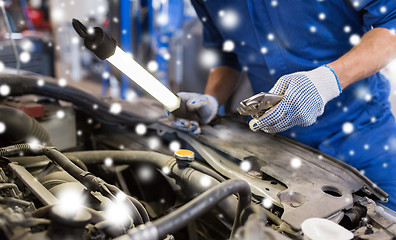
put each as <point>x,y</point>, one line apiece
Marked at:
<point>75,166</point>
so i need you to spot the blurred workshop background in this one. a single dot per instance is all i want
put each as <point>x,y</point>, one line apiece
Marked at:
<point>164,36</point>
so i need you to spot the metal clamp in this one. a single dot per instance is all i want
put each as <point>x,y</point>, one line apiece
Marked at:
<point>256,105</point>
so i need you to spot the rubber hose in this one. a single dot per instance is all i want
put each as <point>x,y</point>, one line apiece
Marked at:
<point>97,157</point>
<point>192,210</point>
<point>24,84</point>
<point>204,169</point>
<point>20,127</point>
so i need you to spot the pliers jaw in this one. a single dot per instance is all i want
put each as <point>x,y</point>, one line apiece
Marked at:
<point>256,105</point>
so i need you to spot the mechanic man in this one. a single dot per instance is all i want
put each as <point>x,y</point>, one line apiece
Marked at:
<point>334,97</point>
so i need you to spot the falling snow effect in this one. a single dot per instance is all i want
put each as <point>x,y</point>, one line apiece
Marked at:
<point>347,128</point>
<point>131,95</point>
<point>322,16</point>
<point>274,3</point>
<point>79,133</point>
<point>163,19</point>
<point>364,94</point>
<point>60,114</point>
<point>383,9</point>
<point>40,82</point>
<point>167,56</point>
<point>166,170</point>
<point>368,97</point>
<point>75,40</point>
<point>228,46</point>
<point>229,19</point>
<point>154,143</point>
<point>312,29</point>
<point>115,108</point>
<point>91,31</point>
<point>245,165</point>
<point>145,174</point>
<point>347,29</point>
<point>141,129</point>
<point>366,146</point>
<point>2,127</point>
<point>384,165</point>
<point>5,90</point>
<point>354,39</point>
<point>101,9</point>
<point>271,36</point>
<point>24,57</point>
<point>117,212</point>
<point>62,82</point>
<point>34,143</point>
<point>152,66</point>
<point>205,181</point>
<point>351,152</point>
<point>105,75</point>
<point>174,145</point>
<point>108,162</point>
<point>264,50</point>
<point>95,106</point>
<point>71,201</point>
<point>26,45</point>
<point>267,203</point>
<point>295,163</point>
<point>208,59</point>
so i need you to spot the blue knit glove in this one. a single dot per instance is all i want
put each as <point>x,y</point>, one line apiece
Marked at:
<point>205,105</point>
<point>305,96</point>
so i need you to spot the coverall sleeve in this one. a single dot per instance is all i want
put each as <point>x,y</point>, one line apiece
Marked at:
<point>376,13</point>
<point>213,39</point>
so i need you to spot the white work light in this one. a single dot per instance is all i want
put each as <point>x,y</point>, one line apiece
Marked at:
<point>105,47</point>
<point>125,63</point>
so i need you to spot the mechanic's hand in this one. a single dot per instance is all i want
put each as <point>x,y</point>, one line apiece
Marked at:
<point>205,105</point>
<point>305,95</point>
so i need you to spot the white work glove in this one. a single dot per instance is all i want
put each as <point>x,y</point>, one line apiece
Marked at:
<point>305,96</point>
<point>205,105</point>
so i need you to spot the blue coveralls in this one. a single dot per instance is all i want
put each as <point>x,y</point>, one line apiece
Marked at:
<point>277,37</point>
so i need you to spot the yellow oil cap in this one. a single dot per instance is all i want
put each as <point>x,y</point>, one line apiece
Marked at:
<point>184,153</point>
<point>184,157</point>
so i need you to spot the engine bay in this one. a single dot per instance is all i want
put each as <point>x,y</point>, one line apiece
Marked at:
<point>75,166</point>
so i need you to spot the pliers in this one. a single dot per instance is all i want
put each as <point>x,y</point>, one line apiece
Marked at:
<point>256,105</point>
